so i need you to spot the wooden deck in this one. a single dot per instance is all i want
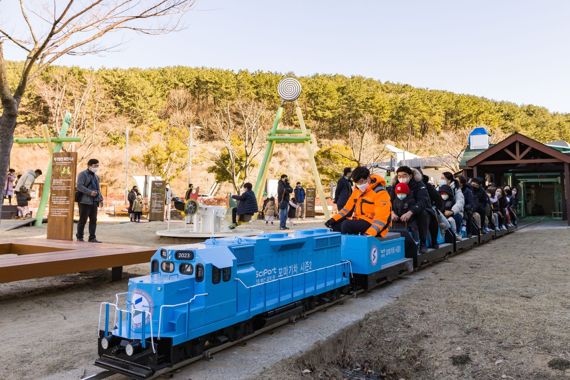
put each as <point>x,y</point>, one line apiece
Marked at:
<point>22,259</point>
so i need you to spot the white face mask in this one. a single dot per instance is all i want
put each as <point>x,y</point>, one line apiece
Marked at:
<point>442,182</point>
<point>404,180</point>
<point>362,187</point>
<point>444,197</point>
<point>401,196</point>
<point>94,170</point>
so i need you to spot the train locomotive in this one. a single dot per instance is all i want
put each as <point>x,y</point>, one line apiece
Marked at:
<point>202,295</point>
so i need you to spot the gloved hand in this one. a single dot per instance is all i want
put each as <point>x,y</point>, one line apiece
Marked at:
<point>330,223</point>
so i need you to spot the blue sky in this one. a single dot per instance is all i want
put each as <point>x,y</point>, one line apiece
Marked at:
<point>516,50</point>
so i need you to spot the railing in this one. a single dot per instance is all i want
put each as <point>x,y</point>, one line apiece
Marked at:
<point>130,314</point>
<point>162,307</point>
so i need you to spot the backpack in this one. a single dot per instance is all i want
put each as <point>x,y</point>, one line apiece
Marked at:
<point>79,194</point>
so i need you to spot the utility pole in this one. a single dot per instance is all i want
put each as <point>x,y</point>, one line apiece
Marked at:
<point>126,194</point>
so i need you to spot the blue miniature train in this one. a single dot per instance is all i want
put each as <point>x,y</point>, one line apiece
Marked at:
<point>201,295</point>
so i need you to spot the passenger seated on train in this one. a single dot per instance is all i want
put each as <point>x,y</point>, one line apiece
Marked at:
<point>448,196</point>
<point>447,179</point>
<point>510,214</point>
<point>496,215</point>
<point>468,207</point>
<point>370,204</point>
<point>402,202</point>
<point>480,202</point>
<point>418,190</point>
<point>503,207</point>
<point>513,203</point>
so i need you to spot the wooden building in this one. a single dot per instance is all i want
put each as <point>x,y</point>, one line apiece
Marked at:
<point>540,172</point>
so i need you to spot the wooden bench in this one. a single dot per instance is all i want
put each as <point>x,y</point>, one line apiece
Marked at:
<point>23,259</point>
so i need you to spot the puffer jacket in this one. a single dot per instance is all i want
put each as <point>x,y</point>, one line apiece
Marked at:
<point>459,198</point>
<point>418,191</point>
<point>247,204</point>
<point>372,205</point>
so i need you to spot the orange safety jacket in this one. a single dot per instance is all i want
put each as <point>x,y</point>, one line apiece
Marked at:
<point>372,205</point>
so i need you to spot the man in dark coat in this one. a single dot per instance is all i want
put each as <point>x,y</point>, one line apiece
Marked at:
<point>283,196</point>
<point>343,189</point>
<point>300,200</point>
<point>480,203</point>
<point>247,205</point>
<point>468,205</point>
<point>418,190</point>
<point>131,198</point>
<point>91,198</point>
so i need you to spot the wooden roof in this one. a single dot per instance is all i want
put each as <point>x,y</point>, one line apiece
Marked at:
<point>518,149</point>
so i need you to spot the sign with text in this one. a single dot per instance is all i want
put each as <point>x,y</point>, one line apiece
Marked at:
<point>311,194</point>
<point>157,201</point>
<point>62,191</point>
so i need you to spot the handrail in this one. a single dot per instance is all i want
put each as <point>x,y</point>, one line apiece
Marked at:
<point>298,274</point>
<point>131,312</point>
<point>176,305</point>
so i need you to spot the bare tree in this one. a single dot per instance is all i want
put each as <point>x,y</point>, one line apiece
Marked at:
<point>239,126</point>
<point>74,27</point>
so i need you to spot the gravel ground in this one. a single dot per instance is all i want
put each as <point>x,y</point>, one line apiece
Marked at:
<point>500,311</point>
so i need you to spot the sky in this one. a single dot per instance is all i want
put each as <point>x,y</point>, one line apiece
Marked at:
<point>515,50</point>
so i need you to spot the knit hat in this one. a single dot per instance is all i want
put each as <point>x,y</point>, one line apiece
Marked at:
<point>445,189</point>
<point>402,188</point>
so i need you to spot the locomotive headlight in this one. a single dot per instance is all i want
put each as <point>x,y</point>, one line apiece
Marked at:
<point>132,348</point>
<point>105,343</point>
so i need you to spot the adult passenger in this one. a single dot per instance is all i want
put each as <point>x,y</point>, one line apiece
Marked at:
<point>284,191</point>
<point>480,203</point>
<point>449,201</point>
<point>343,189</point>
<point>88,184</point>
<point>413,178</point>
<point>468,206</point>
<point>370,204</point>
<point>247,205</point>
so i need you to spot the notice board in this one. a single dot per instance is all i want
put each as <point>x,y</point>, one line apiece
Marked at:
<point>311,194</point>
<point>157,201</point>
<point>62,196</point>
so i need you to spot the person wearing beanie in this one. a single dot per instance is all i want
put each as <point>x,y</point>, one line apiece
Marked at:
<point>402,202</point>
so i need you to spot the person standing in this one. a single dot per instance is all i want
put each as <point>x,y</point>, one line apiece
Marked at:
<point>22,191</point>
<point>283,194</point>
<point>300,201</point>
<point>131,198</point>
<point>88,184</point>
<point>189,192</point>
<point>343,189</point>
<point>138,206</point>
<point>9,188</point>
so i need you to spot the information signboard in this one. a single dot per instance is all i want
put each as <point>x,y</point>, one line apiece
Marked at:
<point>62,191</point>
<point>157,201</point>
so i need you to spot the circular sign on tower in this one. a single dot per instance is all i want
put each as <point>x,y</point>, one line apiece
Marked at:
<point>289,89</point>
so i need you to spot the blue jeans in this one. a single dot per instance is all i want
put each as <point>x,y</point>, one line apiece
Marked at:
<point>458,221</point>
<point>283,217</point>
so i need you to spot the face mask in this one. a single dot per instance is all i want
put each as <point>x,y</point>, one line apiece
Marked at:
<point>362,187</point>
<point>442,182</point>
<point>514,192</point>
<point>498,195</point>
<point>404,180</point>
<point>94,170</point>
<point>401,196</point>
<point>444,197</point>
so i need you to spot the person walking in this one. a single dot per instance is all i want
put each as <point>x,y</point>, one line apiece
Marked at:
<point>89,186</point>
<point>283,194</point>
<point>131,198</point>
<point>9,187</point>
<point>138,206</point>
<point>300,201</point>
<point>22,190</point>
<point>247,205</point>
<point>343,189</point>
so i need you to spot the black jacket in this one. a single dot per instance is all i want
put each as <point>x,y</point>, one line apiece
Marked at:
<point>402,206</point>
<point>480,200</point>
<point>342,192</point>
<point>247,204</point>
<point>468,196</point>
<point>435,198</point>
<point>283,191</point>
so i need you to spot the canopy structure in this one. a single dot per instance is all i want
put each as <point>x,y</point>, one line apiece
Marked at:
<point>540,171</point>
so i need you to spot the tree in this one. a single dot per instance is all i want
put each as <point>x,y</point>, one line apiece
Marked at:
<point>53,32</point>
<point>238,125</point>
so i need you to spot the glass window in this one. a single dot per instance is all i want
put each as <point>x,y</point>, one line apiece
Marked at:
<point>167,266</point>
<point>154,266</point>
<point>227,274</point>
<point>216,275</point>
<point>199,272</point>
<point>186,269</point>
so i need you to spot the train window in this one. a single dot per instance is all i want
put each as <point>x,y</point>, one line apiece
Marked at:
<point>226,274</point>
<point>216,275</point>
<point>167,266</point>
<point>199,273</point>
<point>186,268</point>
<point>154,266</point>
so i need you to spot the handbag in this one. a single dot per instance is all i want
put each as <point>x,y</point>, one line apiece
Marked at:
<point>442,220</point>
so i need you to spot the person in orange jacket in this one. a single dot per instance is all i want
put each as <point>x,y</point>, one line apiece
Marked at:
<point>371,206</point>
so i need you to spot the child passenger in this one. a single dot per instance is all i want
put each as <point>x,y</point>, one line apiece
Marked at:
<point>402,203</point>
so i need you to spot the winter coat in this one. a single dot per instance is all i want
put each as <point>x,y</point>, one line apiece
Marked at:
<point>418,190</point>
<point>26,181</point>
<point>459,199</point>
<point>9,188</point>
<point>283,194</point>
<point>269,208</point>
<point>480,200</point>
<point>448,204</point>
<point>402,206</point>
<point>468,196</point>
<point>342,192</point>
<point>87,181</point>
<point>372,205</point>
<point>247,204</point>
<point>299,195</point>
<point>138,205</point>
<point>434,196</point>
